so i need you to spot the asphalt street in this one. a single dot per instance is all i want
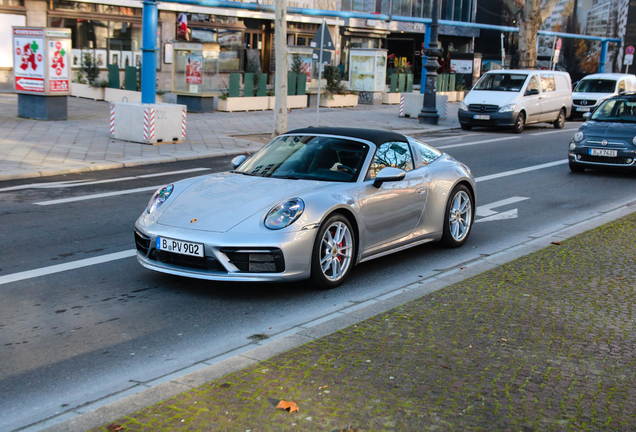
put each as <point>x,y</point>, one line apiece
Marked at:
<point>84,324</point>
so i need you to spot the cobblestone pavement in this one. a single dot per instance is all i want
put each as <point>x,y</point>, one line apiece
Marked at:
<point>545,342</point>
<point>33,148</point>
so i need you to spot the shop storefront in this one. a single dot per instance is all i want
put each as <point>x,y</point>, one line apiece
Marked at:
<point>12,13</point>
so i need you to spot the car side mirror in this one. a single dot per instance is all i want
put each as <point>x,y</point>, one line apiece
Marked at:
<point>532,92</point>
<point>388,174</point>
<point>587,115</point>
<point>238,160</point>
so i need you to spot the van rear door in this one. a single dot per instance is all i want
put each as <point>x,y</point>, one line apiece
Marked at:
<point>550,101</point>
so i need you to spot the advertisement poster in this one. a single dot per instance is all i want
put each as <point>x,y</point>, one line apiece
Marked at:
<point>28,48</point>
<point>58,66</point>
<point>461,66</point>
<point>363,72</point>
<point>194,74</point>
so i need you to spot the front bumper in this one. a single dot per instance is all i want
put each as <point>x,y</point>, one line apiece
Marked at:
<point>246,257</point>
<point>495,119</point>
<point>625,155</point>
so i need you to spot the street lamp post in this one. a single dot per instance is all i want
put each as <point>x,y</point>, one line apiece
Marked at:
<point>428,114</point>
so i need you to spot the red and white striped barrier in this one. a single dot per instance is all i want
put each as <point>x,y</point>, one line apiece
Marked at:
<point>149,124</point>
<point>112,120</point>
<point>402,105</point>
<point>183,124</point>
<point>446,109</point>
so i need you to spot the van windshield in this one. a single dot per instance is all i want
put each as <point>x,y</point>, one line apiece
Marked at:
<point>595,86</point>
<point>501,82</point>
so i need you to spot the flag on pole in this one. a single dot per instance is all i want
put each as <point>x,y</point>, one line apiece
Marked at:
<point>182,30</point>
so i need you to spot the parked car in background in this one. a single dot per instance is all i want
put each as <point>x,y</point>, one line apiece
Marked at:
<point>595,88</point>
<point>608,138</point>
<point>516,98</point>
<point>310,204</point>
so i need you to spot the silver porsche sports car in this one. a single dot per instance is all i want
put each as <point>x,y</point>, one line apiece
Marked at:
<point>310,204</point>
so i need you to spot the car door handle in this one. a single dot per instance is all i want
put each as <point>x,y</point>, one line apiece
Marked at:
<point>421,190</point>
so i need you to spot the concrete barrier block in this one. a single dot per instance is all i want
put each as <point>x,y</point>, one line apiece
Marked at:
<point>413,104</point>
<point>148,123</point>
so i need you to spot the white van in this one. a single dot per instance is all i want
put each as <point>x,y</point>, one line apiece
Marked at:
<point>516,98</point>
<point>593,89</point>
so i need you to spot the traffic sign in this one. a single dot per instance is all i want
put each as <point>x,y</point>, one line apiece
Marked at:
<point>558,44</point>
<point>628,60</point>
<point>629,50</point>
<point>327,44</point>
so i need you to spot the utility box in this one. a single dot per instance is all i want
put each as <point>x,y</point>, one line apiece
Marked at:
<point>367,74</point>
<point>148,123</point>
<point>41,71</point>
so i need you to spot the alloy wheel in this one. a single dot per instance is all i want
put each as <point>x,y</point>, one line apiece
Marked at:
<point>336,251</point>
<point>460,216</point>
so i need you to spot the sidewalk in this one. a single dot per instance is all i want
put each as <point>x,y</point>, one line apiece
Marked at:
<point>545,342</point>
<point>32,148</point>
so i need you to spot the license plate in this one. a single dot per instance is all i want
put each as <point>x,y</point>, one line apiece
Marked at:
<point>582,109</point>
<point>481,117</point>
<point>603,152</point>
<point>180,247</point>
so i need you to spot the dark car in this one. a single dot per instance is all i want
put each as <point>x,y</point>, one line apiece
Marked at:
<point>608,138</point>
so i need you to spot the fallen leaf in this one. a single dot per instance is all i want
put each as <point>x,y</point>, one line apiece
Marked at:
<point>322,387</point>
<point>470,346</point>
<point>557,243</point>
<point>462,268</point>
<point>445,367</point>
<point>115,427</point>
<point>621,278</point>
<point>504,340</point>
<point>284,405</point>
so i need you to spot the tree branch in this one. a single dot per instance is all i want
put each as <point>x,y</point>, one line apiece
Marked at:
<point>512,5</point>
<point>547,9</point>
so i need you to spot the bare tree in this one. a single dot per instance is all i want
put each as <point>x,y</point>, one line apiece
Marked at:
<point>532,13</point>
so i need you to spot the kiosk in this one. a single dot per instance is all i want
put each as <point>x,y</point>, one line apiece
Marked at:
<point>195,74</point>
<point>41,72</point>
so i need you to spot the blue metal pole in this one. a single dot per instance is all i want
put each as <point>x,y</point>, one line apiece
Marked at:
<point>427,40</point>
<point>149,56</point>
<point>603,59</point>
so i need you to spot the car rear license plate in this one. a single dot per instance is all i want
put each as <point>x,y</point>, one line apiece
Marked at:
<point>583,109</point>
<point>481,117</point>
<point>603,152</point>
<point>180,247</point>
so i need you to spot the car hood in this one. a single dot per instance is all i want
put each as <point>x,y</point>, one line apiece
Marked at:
<point>489,97</point>
<point>608,130</point>
<point>591,96</point>
<point>221,201</point>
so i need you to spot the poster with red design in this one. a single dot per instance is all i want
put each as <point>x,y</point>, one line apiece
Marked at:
<point>58,65</point>
<point>28,59</point>
<point>194,74</point>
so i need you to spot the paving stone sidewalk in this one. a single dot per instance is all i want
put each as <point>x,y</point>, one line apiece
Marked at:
<point>543,343</point>
<point>32,148</point>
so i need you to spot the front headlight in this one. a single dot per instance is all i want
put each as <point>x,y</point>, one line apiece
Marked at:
<point>284,214</point>
<point>578,137</point>
<point>508,108</point>
<point>634,140</point>
<point>572,146</point>
<point>159,198</point>
<point>463,106</point>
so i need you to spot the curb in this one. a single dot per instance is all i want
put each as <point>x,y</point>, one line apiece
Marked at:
<point>97,413</point>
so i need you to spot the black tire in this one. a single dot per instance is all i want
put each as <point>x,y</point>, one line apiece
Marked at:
<point>451,237</point>
<point>329,277</point>
<point>465,126</point>
<point>576,168</point>
<point>560,121</point>
<point>520,123</point>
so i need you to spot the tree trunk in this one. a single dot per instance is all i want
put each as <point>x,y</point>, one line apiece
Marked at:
<point>280,89</point>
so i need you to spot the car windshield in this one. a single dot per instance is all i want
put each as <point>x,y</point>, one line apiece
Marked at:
<point>309,158</point>
<point>595,86</point>
<point>501,82</point>
<point>616,110</point>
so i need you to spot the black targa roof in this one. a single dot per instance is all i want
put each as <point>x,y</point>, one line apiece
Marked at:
<point>377,137</point>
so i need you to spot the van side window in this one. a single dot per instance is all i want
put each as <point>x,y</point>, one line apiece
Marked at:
<point>533,84</point>
<point>547,83</point>
<point>621,87</point>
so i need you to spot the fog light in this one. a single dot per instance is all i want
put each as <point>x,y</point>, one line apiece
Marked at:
<point>629,160</point>
<point>572,146</point>
<point>578,157</point>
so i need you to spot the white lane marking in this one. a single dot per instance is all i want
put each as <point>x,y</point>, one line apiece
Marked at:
<point>554,131</point>
<point>477,142</point>
<point>125,178</point>
<point>486,210</point>
<point>38,185</point>
<point>64,267</point>
<point>446,138</point>
<point>510,214</point>
<point>94,196</point>
<point>520,171</point>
